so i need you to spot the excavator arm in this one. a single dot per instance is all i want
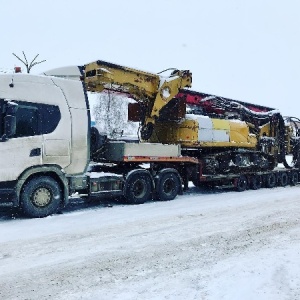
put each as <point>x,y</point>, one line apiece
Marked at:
<point>152,91</point>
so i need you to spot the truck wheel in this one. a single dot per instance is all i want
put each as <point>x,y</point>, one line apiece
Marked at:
<point>168,186</point>
<point>294,178</point>
<point>283,179</point>
<point>256,182</point>
<point>242,183</point>
<point>138,188</point>
<point>270,180</point>
<point>40,197</point>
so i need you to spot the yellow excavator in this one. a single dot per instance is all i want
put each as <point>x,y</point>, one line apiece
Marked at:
<point>229,136</point>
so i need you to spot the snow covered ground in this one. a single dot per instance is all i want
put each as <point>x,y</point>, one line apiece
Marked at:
<point>202,245</point>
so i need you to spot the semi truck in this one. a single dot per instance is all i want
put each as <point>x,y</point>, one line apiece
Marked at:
<point>47,142</point>
<point>50,151</point>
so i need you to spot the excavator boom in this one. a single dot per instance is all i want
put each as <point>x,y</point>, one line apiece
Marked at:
<point>101,75</point>
<point>152,91</point>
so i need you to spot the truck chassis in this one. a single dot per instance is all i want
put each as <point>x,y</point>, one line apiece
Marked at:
<point>140,179</point>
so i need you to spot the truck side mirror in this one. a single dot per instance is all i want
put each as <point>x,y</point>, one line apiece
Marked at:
<point>10,126</point>
<point>10,121</point>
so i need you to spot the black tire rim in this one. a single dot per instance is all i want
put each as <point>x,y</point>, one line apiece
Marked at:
<point>169,186</point>
<point>271,180</point>
<point>284,179</point>
<point>294,179</point>
<point>256,182</point>
<point>138,189</point>
<point>242,183</point>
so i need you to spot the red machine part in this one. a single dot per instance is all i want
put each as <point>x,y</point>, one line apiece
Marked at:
<point>216,104</point>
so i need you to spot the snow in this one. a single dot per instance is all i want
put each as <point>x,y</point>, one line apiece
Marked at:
<point>105,70</point>
<point>196,117</point>
<point>166,93</point>
<point>258,113</point>
<point>102,174</point>
<point>202,245</point>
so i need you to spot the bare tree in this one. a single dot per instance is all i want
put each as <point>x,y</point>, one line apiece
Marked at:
<point>110,113</point>
<point>29,65</point>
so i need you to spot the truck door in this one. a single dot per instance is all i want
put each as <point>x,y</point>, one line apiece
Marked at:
<point>23,149</point>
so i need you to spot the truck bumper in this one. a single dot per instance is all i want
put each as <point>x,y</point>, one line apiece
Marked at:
<point>8,196</point>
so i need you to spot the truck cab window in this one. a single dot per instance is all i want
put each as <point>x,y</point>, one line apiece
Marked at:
<point>35,118</point>
<point>27,121</point>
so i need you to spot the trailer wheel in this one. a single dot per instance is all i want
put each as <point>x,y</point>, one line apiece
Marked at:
<point>138,188</point>
<point>40,197</point>
<point>242,183</point>
<point>270,180</point>
<point>294,178</point>
<point>168,186</point>
<point>283,179</point>
<point>256,182</point>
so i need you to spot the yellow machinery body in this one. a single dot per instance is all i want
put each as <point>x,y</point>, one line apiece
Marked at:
<point>163,116</point>
<point>152,91</point>
<point>202,131</point>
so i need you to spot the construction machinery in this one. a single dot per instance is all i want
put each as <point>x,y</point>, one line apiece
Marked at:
<point>229,135</point>
<point>228,142</point>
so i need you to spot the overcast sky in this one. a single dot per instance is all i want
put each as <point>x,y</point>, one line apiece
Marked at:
<point>245,50</point>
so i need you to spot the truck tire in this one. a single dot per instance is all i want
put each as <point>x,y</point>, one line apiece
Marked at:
<point>270,180</point>
<point>283,179</point>
<point>41,197</point>
<point>294,178</point>
<point>242,183</point>
<point>138,188</point>
<point>256,182</point>
<point>168,186</point>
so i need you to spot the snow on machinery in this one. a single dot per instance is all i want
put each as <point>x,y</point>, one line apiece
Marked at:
<point>229,135</point>
<point>228,142</point>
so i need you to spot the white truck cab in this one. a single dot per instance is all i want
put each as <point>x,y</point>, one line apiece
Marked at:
<point>44,139</point>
